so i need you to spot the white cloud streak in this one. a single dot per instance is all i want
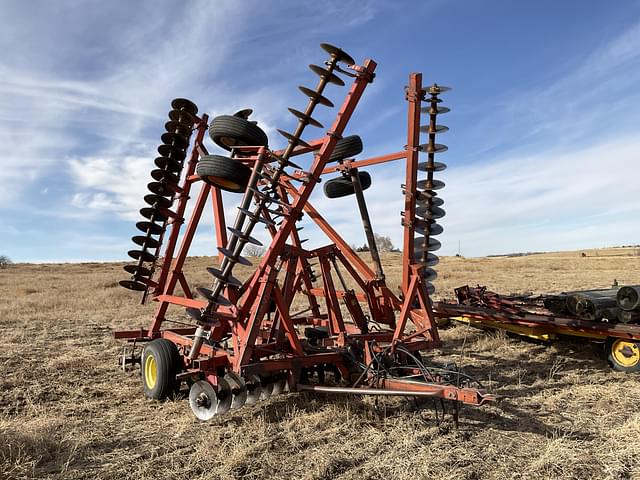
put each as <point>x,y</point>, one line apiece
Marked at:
<point>90,112</point>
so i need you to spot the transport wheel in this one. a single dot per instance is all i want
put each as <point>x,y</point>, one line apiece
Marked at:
<point>229,131</point>
<point>160,364</point>
<point>224,172</point>
<point>342,186</point>
<point>623,355</point>
<point>346,147</point>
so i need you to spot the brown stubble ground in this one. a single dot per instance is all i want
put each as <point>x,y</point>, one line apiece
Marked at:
<point>67,411</point>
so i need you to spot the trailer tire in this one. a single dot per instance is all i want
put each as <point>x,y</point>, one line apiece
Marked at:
<point>346,147</point>
<point>229,131</point>
<point>623,355</point>
<point>342,186</point>
<point>161,363</point>
<point>224,172</point>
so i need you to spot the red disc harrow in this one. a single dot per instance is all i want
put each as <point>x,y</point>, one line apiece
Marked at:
<point>245,343</point>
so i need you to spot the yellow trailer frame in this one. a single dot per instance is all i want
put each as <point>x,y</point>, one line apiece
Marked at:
<point>622,340</point>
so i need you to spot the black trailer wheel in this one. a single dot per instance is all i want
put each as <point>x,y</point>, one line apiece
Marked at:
<point>623,355</point>
<point>224,172</point>
<point>342,186</point>
<point>346,147</point>
<point>229,131</point>
<point>160,364</point>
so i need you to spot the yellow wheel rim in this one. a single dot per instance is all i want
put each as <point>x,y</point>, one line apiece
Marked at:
<point>223,182</point>
<point>625,353</point>
<point>150,371</point>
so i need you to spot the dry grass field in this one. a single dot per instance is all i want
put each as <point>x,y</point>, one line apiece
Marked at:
<point>67,411</point>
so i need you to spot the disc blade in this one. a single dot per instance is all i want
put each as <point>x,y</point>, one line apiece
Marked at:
<point>435,202</point>
<point>436,129</point>
<point>293,139</point>
<point>153,213</point>
<point>205,293</point>
<point>433,213</point>
<point>267,388</point>
<point>244,113</point>
<point>435,111</point>
<point>431,260</point>
<point>238,390</point>
<point>208,294</point>
<point>229,280</point>
<point>160,174</point>
<point>436,167</point>
<point>153,228</point>
<point>435,148</point>
<point>145,242</point>
<point>424,196</point>
<point>138,271</point>
<point>184,104</point>
<point>250,214</point>
<point>162,188</point>
<point>279,386</point>
<point>254,389</point>
<point>419,246</point>
<point>275,213</point>
<point>133,285</point>
<point>434,185</point>
<point>175,140</point>
<point>142,254</point>
<point>170,164</point>
<point>430,289</point>
<point>157,200</point>
<point>433,229</point>
<point>181,116</point>
<point>177,127</point>
<point>247,238</point>
<point>305,118</point>
<point>239,259</point>
<point>436,89</point>
<point>172,152</point>
<point>207,401</point>
<point>326,74</point>
<point>339,54</point>
<point>429,274</point>
<point>312,94</point>
<point>194,313</point>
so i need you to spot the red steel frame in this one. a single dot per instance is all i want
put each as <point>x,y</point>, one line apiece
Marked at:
<point>265,343</point>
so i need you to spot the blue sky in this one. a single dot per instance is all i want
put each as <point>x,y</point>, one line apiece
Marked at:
<point>542,149</point>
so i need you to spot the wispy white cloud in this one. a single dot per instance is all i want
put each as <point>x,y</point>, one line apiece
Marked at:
<point>82,109</point>
<point>550,198</point>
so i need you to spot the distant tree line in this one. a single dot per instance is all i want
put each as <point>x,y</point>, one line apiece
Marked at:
<point>383,243</point>
<point>5,261</point>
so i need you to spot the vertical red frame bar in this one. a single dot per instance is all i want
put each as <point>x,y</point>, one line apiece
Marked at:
<point>176,266</point>
<point>182,206</point>
<point>414,97</point>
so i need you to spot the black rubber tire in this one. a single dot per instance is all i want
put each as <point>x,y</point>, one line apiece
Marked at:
<point>342,186</point>
<point>224,172</point>
<point>346,147</point>
<point>634,358</point>
<point>162,356</point>
<point>228,131</point>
